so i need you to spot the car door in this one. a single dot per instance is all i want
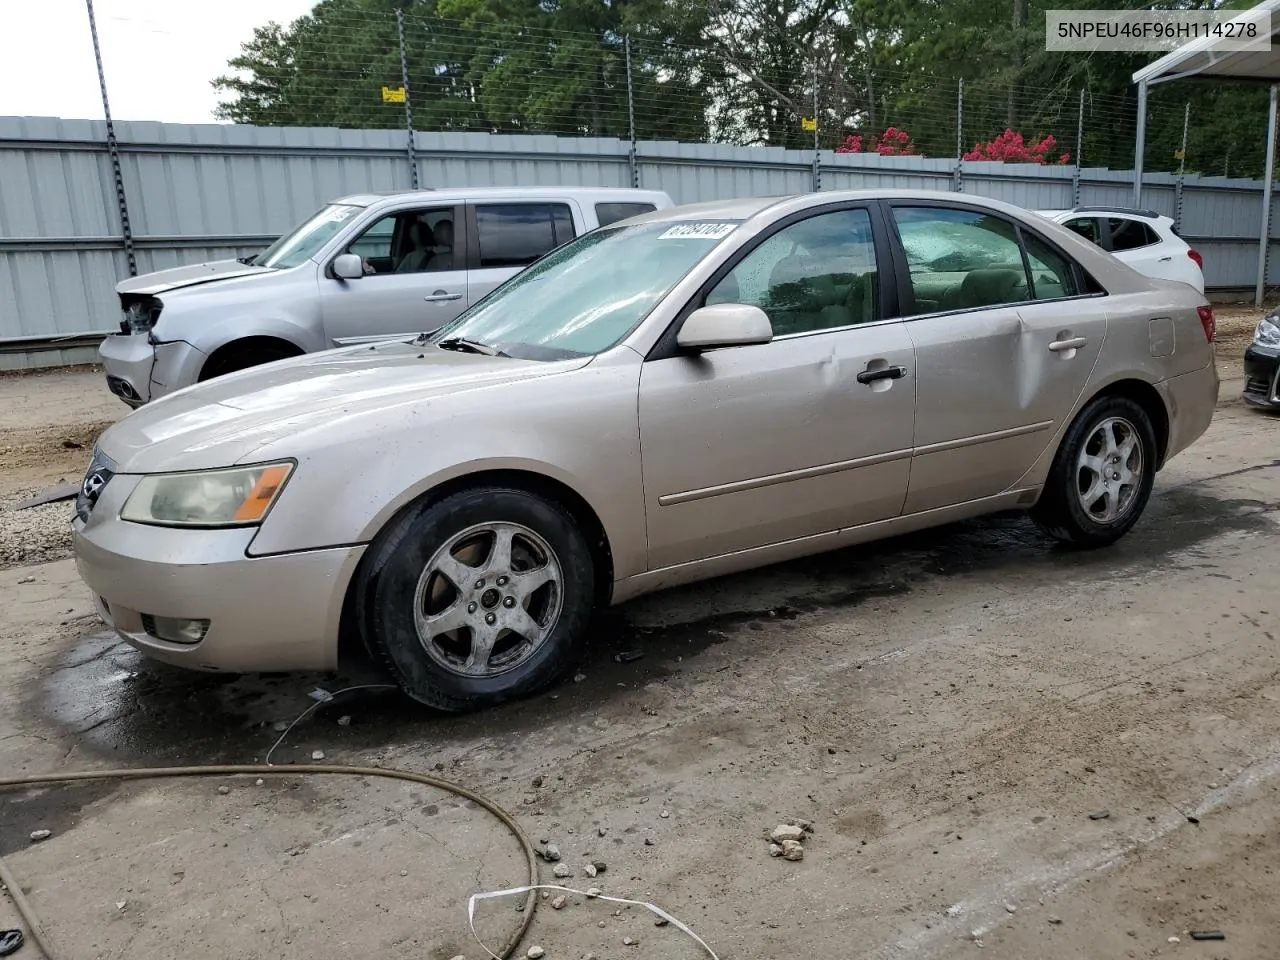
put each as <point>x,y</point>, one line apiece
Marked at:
<point>810,433</point>
<point>415,277</point>
<point>1005,341</point>
<point>508,235</point>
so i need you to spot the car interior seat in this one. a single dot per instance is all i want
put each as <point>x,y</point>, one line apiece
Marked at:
<point>423,239</point>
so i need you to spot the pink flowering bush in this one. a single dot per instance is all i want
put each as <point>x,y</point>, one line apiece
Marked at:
<point>1010,147</point>
<point>892,143</point>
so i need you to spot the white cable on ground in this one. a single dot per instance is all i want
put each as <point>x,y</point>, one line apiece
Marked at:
<point>590,895</point>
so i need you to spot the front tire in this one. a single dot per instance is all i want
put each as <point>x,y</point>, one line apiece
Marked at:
<point>482,597</point>
<point>1102,476</point>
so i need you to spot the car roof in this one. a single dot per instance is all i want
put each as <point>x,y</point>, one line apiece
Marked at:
<point>446,194</point>
<point>748,207</point>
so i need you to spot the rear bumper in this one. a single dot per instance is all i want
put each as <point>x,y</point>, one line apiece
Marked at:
<point>1190,400</point>
<point>1262,376</point>
<point>264,613</point>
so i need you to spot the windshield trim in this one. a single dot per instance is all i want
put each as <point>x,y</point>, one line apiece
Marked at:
<point>259,259</point>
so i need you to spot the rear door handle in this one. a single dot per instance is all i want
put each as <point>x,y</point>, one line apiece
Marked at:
<point>1075,343</point>
<point>1165,259</point>
<point>884,373</point>
<point>442,295</point>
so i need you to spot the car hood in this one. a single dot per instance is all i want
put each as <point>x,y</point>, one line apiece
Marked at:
<point>150,284</point>
<point>225,421</point>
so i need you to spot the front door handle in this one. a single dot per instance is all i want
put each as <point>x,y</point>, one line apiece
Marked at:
<point>884,373</point>
<point>1060,346</point>
<point>441,295</point>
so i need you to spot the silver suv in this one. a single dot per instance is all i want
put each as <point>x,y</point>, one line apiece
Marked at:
<point>363,268</point>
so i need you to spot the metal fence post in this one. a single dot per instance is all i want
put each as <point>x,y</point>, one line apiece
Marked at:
<point>957,180</point>
<point>817,151</point>
<point>1182,169</point>
<point>410,146</point>
<point>1075,174</point>
<point>633,159</point>
<point>113,149</point>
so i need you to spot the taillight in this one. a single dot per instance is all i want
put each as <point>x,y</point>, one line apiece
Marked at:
<point>1209,324</point>
<point>1194,255</point>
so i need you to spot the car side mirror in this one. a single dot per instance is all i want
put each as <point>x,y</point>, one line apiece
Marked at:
<point>348,267</point>
<point>724,325</point>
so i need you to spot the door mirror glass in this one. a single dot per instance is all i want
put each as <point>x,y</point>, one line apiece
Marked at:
<point>348,267</point>
<point>725,325</point>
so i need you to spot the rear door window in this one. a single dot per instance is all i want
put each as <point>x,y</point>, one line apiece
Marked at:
<point>1051,274</point>
<point>1087,227</point>
<point>516,234</point>
<point>607,213</point>
<point>960,259</point>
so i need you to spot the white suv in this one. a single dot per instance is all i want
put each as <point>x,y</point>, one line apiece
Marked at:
<point>1143,239</point>
<point>362,269</point>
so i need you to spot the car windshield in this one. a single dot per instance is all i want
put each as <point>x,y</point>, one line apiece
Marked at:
<point>302,243</point>
<point>588,295</point>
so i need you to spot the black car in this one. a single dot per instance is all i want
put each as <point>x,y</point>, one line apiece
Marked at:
<point>1262,364</point>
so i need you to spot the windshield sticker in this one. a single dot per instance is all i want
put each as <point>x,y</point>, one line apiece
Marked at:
<point>698,231</point>
<point>338,214</point>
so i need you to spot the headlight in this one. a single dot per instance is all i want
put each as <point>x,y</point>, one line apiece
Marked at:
<point>236,497</point>
<point>1268,332</point>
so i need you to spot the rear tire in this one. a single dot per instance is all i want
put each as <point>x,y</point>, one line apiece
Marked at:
<point>1102,475</point>
<point>482,597</point>
<point>242,356</point>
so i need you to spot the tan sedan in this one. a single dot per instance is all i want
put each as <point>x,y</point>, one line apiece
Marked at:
<point>682,395</point>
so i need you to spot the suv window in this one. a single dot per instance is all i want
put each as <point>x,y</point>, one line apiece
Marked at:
<point>1130,234</point>
<point>960,259</point>
<point>1087,227</point>
<point>816,274</point>
<point>516,234</point>
<point>411,241</point>
<point>607,213</point>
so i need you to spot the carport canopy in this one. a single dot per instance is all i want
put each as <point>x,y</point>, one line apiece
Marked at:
<point>1198,60</point>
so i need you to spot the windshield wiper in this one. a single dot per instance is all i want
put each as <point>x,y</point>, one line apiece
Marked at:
<point>463,345</point>
<point>247,261</point>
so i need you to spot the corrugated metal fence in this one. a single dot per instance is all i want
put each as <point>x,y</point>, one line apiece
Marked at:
<point>214,191</point>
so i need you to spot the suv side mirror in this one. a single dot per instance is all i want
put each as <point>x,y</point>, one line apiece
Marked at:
<point>724,325</point>
<point>348,267</point>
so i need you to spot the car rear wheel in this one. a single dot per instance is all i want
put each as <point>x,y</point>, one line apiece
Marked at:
<point>482,597</point>
<point>1102,476</point>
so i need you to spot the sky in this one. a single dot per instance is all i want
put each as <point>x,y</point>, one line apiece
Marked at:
<point>158,55</point>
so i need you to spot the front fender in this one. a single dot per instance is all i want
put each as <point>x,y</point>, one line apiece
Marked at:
<point>580,430</point>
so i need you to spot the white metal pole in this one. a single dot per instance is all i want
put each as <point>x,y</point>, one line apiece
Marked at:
<point>1264,238</point>
<point>1140,147</point>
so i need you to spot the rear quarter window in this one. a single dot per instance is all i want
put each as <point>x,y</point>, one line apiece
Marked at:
<point>1131,234</point>
<point>607,213</point>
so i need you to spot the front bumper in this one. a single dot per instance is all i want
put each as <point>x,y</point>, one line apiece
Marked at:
<point>1262,376</point>
<point>278,612</point>
<point>139,370</point>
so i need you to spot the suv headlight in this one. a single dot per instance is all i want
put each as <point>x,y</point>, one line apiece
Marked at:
<point>1268,332</point>
<point>141,315</point>
<point>234,497</point>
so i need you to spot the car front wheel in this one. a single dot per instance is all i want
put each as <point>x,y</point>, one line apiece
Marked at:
<point>1102,476</point>
<point>481,597</point>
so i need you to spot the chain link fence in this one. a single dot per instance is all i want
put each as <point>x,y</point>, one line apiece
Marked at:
<point>404,68</point>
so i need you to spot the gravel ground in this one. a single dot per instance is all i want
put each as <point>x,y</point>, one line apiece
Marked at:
<point>949,708</point>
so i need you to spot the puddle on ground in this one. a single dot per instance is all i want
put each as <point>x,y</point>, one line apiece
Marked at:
<point>104,696</point>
